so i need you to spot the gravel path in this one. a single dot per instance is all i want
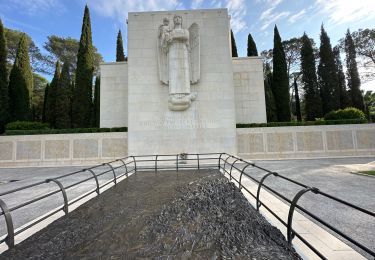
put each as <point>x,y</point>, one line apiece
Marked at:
<point>120,223</point>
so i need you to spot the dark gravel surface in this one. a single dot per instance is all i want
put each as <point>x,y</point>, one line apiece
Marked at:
<point>168,215</point>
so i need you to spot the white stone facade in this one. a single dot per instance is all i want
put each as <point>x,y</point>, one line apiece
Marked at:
<point>249,90</point>
<point>114,94</point>
<point>62,149</point>
<point>294,142</point>
<point>132,94</point>
<point>290,142</point>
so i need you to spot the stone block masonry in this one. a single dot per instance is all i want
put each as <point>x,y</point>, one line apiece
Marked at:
<point>61,149</point>
<point>272,143</point>
<point>306,141</point>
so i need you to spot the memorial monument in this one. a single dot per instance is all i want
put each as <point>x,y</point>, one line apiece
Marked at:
<point>180,90</point>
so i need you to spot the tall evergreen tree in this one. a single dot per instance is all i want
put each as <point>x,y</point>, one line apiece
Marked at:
<point>251,47</point>
<point>344,95</point>
<point>20,84</point>
<point>313,103</point>
<point>297,100</point>
<point>120,56</point>
<point>354,82</point>
<point>327,75</point>
<point>4,93</point>
<point>62,98</point>
<point>270,100</point>
<point>234,46</point>
<point>97,102</point>
<point>82,97</point>
<point>44,118</point>
<point>51,97</point>
<point>280,81</point>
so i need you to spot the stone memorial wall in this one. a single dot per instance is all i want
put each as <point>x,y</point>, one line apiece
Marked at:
<point>270,143</point>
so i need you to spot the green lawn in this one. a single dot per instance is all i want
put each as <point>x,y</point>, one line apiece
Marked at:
<point>369,172</point>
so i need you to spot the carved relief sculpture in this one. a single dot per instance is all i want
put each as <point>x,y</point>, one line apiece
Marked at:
<point>179,61</point>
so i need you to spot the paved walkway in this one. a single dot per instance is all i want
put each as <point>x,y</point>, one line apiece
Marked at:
<point>334,177</point>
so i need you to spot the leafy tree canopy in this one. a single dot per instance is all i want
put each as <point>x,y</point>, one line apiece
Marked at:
<point>37,59</point>
<point>364,41</point>
<point>66,50</point>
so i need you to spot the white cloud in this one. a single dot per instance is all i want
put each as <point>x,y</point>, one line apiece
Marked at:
<point>273,19</point>
<point>270,16</point>
<point>34,7</point>
<point>294,18</point>
<point>237,9</point>
<point>195,4</point>
<point>344,11</point>
<point>120,8</point>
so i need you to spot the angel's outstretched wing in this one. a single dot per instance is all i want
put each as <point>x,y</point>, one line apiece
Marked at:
<point>194,42</point>
<point>162,50</point>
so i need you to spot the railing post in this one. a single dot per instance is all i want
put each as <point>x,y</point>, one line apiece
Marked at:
<point>258,202</point>
<point>9,240</point>
<point>177,162</point>
<point>225,162</point>
<point>242,171</point>
<point>114,173</point>
<point>126,168</point>
<point>96,180</point>
<point>135,165</point>
<point>65,208</point>
<point>219,164</point>
<point>290,233</point>
<point>156,163</point>
<point>230,172</point>
<point>198,161</point>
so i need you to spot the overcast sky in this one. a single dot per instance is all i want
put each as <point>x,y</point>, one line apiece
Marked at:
<point>40,18</point>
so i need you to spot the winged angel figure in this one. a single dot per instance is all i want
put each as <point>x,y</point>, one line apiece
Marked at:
<point>179,61</point>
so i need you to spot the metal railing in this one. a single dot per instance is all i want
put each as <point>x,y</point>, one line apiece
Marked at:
<point>291,233</point>
<point>224,162</point>
<point>7,211</point>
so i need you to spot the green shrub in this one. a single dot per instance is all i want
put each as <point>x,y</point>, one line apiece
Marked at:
<point>343,114</point>
<point>64,131</point>
<point>26,125</point>
<point>306,123</point>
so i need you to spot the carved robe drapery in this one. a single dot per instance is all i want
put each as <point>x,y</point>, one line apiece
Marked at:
<point>178,58</point>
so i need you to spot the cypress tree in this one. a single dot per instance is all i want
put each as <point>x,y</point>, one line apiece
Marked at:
<point>296,97</point>
<point>4,93</point>
<point>97,102</point>
<point>119,48</point>
<point>44,119</point>
<point>313,103</point>
<point>280,81</point>
<point>251,47</point>
<point>354,82</point>
<point>327,75</point>
<point>82,97</point>
<point>62,98</point>
<point>270,100</point>
<point>51,108</point>
<point>234,46</point>
<point>20,83</point>
<point>344,95</point>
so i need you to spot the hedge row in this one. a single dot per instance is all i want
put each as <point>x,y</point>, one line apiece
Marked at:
<point>307,123</point>
<point>65,131</point>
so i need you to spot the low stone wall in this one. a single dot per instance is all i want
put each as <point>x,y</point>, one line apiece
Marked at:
<point>252,143</point>
<point>306,141</point>
<point>61,149</point>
